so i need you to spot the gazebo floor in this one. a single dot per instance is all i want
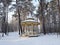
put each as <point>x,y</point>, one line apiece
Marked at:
<point>30,35</point>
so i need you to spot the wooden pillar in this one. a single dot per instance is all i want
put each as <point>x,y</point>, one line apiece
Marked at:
<point>29,29</point>
<point>25,29</point>
<point>37,28</point>
<point>36,31</point>
<point>32,29</point>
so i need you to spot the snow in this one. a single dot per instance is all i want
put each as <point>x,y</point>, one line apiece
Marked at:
<point>29,20</point>
<point>14,39</point>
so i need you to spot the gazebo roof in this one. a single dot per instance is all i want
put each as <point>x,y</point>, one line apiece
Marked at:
<point>30,20</point>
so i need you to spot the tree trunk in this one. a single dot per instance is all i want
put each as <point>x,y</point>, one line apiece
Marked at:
<point>5,17</point>
<point>43,20</point>
<point>18,10</point>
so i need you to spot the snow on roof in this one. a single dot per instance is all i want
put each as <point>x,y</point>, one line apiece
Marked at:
<point>30,18</point>
<point>29,21</point>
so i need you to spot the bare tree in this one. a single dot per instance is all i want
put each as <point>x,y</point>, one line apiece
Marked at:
<point>5,15</point>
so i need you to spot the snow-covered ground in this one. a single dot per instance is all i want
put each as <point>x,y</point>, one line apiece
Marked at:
<point>14,39</point>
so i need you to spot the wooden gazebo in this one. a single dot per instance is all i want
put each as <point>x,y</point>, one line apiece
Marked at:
<point>28,26</point>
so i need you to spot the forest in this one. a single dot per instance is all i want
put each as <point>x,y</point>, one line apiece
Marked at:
<point>48,12</point>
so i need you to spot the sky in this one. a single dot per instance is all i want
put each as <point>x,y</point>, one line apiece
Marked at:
<point>10,16</point>
<point>35,3</point>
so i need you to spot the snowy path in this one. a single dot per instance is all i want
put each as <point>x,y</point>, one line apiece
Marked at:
<point>14,39</point>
